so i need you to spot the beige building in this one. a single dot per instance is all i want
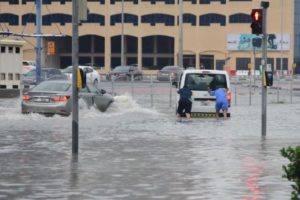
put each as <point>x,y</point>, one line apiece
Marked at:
<point>216,33</point>
<point>10,63</point>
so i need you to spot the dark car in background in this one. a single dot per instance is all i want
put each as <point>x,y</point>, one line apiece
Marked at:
<point>55,97</point>
<point>125,73</point>
<point>29,79</point>
<point>169,72</point>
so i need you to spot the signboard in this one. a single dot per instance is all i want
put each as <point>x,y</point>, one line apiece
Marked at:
<point>51,48</point>
<point>246,42</point>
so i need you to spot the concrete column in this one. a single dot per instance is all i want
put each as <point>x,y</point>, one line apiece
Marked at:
<point>176,46</point>
<point>155,50</point>
<point>92,49</point>
<point>107,53</point>
<point>197,63</point>
<point>139,55</point>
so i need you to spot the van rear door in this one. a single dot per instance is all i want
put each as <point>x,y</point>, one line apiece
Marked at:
<point>199,82</point>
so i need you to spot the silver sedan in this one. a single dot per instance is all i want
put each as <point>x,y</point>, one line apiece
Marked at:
<point>55,97</point>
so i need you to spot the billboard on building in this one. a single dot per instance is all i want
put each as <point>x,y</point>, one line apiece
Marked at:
<point>246,42</point>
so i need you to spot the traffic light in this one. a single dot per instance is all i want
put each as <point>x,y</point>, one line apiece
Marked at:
<point>257,21</point>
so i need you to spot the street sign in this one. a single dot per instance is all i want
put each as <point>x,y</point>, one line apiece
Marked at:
<point>50,48</point>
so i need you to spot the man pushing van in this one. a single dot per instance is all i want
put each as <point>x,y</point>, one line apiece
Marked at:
<point>185,102</point>
<point>221,100</point>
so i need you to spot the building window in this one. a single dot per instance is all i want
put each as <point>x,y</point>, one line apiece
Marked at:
<point>285,63</point>
<point>192,1</point>
<point>270,61</point>
<point>11,19</point>
<point>242,63</point>
<point>57,18</point>
<point>208,1</point>
<point>128,18</point>
<point>18,50</point>
<point>188,18</point>
<point>3,49</point>
<point>28,18</point>
<point>95,18</point>
<point>114,1</point>
<point>17,76</point>
<point>152,19</point>
<point>166,1</point>
<point>10,49</point>
<point>11,1</point>
<point>239,18</point>
<point>10,76</point>
<point>2,77</point>
<point>100,1</point>
<point>207,19</point>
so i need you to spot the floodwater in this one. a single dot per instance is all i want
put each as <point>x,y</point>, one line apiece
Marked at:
<point>138,152</point>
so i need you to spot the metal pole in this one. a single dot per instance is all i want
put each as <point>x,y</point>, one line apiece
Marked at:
<point>38,40</point>
<point>122,35</point>
<point>291,90</point>
<point>75,33</point>
<point>250,87</point>
<point>151,88</point>
<point>235,93</point>
<point>281,40</point>
<point>112,85</point>
<point>264,66</point>
<point>180,38</point>
<point>254,71</point>
<point>132,79</point>
<point>170,94</point>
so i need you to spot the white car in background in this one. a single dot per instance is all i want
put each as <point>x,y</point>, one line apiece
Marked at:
<point>92,76</point>
<point>27,66</point>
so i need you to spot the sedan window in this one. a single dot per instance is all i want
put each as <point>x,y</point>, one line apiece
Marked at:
<point>52,86</point>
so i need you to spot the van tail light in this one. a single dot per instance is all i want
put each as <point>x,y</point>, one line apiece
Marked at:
<point>229,97</point>
<point>173,74</point>
<point>26,98</point>
<point>60,98</point>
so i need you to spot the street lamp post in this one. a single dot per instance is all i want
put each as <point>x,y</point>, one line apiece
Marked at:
<point>281,40</point>
<point>180,35</point>
<point>122,35</point>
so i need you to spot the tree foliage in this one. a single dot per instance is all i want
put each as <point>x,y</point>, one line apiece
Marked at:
<point>292,170</point>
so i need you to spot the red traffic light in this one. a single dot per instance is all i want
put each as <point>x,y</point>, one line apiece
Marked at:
<point>256,15</point>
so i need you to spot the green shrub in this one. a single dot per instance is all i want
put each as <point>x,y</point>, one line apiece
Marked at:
<point>292,170</point>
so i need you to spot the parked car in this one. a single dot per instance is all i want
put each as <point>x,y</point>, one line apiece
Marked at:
<point>168,72</point>
<point>55,97</point>
<point>29,79</point>
<point>92,76</point>
<point>125,73</point>
<point>27,65</point>
<point>203,105</point>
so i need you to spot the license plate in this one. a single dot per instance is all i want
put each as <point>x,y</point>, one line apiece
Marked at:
<point>206,103</point>
<point>45,100</point>
<point>202,115</point>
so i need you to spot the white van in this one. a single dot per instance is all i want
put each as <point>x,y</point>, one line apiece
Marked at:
<point>199,81</point>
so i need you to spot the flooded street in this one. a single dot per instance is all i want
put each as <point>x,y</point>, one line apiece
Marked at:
<point>136,152</point>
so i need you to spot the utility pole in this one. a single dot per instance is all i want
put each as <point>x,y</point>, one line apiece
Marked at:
<point>264,5</point>
<point>38,47</point>
<point>122,35</point>
<point>75,33</point>
<point>180,35</point>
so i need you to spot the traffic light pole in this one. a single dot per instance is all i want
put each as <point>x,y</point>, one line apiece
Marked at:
<point>265,5</point>
<point>75,33</point>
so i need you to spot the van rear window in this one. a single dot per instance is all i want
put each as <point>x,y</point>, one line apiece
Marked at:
<point>201,82</point>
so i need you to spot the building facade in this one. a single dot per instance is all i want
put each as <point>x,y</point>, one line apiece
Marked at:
<point>297,36</point>
<point>216,33</point>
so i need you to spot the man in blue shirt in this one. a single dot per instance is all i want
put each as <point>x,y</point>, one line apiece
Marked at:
<point>185,102</point>
<point>221,100</point>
